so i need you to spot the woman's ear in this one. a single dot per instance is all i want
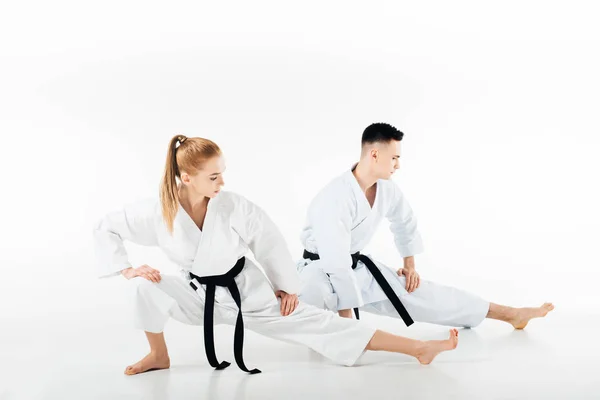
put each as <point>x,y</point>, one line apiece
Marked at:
<point>185,178</point>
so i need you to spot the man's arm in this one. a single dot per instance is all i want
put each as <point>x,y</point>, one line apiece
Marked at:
<point>403,224</point>
<point>331,225</point>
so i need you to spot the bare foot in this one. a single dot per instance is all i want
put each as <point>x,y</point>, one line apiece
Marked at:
<point>524,315</point>
<point>432,348</point>
<point>149,363</point>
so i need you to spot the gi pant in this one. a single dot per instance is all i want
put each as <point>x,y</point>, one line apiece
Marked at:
<point>339,339</point>
<point>431,302</point>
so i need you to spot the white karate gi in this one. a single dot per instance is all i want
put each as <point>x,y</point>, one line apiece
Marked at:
<point>340,222</point>
<point>232,226</point>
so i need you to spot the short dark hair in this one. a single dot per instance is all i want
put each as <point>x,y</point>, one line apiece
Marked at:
<point>380,132</point>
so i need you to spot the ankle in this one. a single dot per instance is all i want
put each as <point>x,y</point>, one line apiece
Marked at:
<point>502,313</point>
<point>512,313</point>
<point>160,353</point>
<point>420,348</point>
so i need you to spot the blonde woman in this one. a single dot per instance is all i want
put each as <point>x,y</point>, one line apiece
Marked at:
<point>207,232</point>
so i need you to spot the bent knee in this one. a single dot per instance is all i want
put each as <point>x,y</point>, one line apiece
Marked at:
<point>310,295</point>
<point>312,272</point>
<point>140,286</point>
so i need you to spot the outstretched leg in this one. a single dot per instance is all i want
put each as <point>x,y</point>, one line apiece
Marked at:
<point>518,317</point>
<point>444,305</point>
<point>433,303</point>
<point>424,351</point>
<point>342,340</point>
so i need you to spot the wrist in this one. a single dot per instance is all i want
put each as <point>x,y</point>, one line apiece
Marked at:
<point>127,272</point>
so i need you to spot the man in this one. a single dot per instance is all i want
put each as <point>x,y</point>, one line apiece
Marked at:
<point>341,221</point>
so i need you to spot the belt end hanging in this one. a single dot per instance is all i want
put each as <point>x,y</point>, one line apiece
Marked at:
<point>222,365</point>
<point>254,371</point>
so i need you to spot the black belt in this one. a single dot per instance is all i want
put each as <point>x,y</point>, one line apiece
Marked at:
<point>379,278</point>
<point>226,280</point>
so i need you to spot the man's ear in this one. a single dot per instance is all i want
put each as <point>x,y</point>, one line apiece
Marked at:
<point>374,153</point>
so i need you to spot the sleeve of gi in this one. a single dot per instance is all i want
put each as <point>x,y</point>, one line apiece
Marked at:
<point>269,247</point>
<point>136,223</point>
<point>331,224</point>
<point>403,225</point>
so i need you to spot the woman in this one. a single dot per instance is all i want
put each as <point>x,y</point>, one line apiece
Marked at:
<point>207,232</point>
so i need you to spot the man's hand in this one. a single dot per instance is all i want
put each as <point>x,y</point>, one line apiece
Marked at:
<point>289,302</point>
<point>413,280</point>
<point>145,271</point>
<point>345,313</point>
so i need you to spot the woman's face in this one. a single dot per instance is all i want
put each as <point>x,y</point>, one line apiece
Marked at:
<point>208,181</point>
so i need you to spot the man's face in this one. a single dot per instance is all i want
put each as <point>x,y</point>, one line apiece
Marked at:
<point>386,159</point>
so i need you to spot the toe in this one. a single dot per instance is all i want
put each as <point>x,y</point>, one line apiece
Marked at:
<point>132,370</point>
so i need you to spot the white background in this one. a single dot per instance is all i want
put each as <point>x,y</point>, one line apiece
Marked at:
<point>498,101</point>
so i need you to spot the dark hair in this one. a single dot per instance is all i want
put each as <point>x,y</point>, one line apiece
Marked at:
<point>380,132</point>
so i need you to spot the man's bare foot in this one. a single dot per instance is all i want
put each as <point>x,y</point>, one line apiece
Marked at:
<point>432,348</point>
<point>524,315</point>
<point>149,363</point>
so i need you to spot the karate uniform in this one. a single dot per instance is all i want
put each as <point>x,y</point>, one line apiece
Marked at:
<point>340,222</point>
<point>232,226</point>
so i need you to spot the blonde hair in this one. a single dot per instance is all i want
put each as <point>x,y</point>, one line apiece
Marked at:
<point>184,154</point>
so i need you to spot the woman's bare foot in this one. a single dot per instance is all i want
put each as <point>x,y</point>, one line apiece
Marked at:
<point>524,315</point>
<point>432,348</point>
<point>151,362</point>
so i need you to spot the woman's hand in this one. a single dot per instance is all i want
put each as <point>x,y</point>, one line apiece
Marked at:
<point>289,302</point>
<point>345,313</point>
<point>145,271</point>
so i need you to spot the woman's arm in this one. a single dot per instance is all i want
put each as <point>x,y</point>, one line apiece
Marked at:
<point>136,223</point>
<point>270,249</point>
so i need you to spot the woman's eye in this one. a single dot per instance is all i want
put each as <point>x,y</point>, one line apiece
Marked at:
<point>213,179</point>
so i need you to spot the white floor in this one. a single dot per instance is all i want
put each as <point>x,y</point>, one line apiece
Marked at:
<point>82,356</point>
